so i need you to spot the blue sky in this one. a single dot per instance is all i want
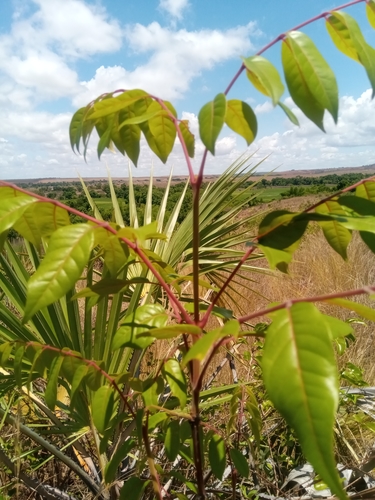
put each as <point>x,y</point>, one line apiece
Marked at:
<point>57,55</point>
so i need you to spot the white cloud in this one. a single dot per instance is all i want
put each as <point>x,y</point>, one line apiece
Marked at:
<point>349,143</point>
<point>176,58</point>
<point>174,8</point>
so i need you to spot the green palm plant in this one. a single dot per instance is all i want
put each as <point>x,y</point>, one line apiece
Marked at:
<point>86,320</point>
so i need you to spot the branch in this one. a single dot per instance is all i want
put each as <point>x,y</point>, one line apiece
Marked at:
<point>317,298</point>
<point>282,35</point>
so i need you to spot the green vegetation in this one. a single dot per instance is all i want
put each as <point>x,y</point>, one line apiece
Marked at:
<point>110,329</point>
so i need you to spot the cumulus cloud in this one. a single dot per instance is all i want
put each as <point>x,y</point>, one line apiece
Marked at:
<point>174,8</point>
<point>175,59</point>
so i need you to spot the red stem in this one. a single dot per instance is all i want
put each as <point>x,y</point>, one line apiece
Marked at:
<point>177,305</point>
<point>317,298</point>
<point>282,35</point>
<point>88,362</point>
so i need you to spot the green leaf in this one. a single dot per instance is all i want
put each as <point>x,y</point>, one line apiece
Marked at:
<point>172,331</point>
<point>355,40</point>
<point>102,407</point>
<point>300,375</point>
<point>75,128</point>
<point>265,77</point>
<point>358,204</point>
<point>211,120</point>
<point>241,119</point>
<point>360,309</point>
<point>366,190</point>
<point>162,129</point>
<point>50,394</point>
<point>143,319</point>
<point>311,82</point>
<point>120,454</point>
<point>201,348</point>
<point>369,239</point>
<point>18,357</point>
<point>188,137</point>
<point>41,219</point>
<point>336,235</point>
<point>130,135</point>
<point>240,462</point>
<point>289,113</point>
<point>68,252</point>
<point>116,253</point>
<point>172,440</point>
<point>5,350</point>
<point>150,395</point>
<point>341,36</point>
<point>133,488</point>
<point>216,455</point>
<point>79,375</point>
<point>176,379</point>
<point>282,236</point>
<point>115,104</point>
<point>370,12</point>
<point>337,328</point>
<point>105,135</point>
<point>12,205</point>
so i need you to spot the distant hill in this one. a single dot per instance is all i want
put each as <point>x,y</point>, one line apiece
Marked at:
<point>162,180</point>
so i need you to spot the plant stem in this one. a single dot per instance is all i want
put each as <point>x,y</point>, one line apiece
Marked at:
<point>317,298</point>
<point>150,460</point>
<point>198,456</point>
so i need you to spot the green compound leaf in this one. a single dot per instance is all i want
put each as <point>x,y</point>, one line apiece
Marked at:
<point>265,77</point>
<point>176,379</point>
<point>188,137</point>
<point>336,234</point>
<point>311,82</point>
<point>300,375</point>
<point>172,440</point>
<point>68,253</point>
<point>241,119</point>
<point>355,41</point>
<point>370,12</point>
<point>216,455</point>
<point>211,120</point>
<point>50,394</point>
<point>366,190</point>
<point>102,407</point>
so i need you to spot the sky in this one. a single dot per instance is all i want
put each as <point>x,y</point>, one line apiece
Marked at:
<point>58,55</point>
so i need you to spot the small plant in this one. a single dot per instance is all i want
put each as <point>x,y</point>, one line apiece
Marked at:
<point>92,299</point>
